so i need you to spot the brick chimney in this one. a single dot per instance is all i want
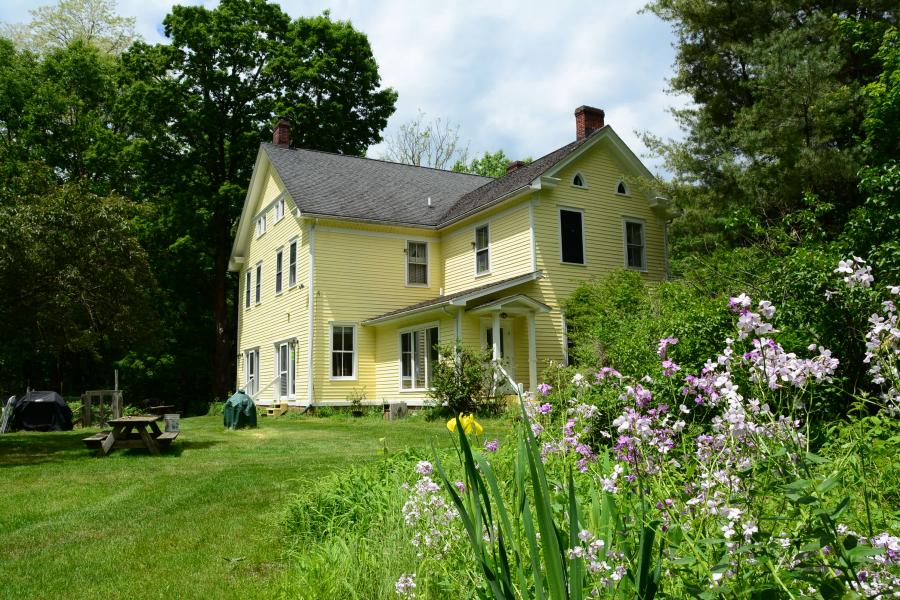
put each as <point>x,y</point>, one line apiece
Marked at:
<point>516,164</point>
<point>587,120</point>
<point>282,134</point>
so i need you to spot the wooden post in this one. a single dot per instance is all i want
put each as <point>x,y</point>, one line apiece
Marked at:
<point>86,410</point>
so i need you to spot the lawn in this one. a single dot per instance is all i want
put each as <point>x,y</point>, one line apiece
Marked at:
<point>198,522</point>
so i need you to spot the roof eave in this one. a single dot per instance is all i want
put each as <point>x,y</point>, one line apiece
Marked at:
<point>242,233</point>
<point>516,193</point>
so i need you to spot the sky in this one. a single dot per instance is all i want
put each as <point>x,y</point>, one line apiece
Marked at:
<point>509,73</point>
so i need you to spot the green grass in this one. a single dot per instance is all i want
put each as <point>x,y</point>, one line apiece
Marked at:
<point>200,521</point>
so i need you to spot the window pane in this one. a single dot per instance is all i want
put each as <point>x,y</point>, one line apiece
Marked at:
<point>483,264</point>
<point>279,260</point>
<point>336,364</point>
<point>247,286</point>
<point>292,262</point>
<point>418,274</point>
<point>481,238</point>
<point>348,339</point>
<point>572,238</point>
<point>432,351</point>
<point>348,364</point>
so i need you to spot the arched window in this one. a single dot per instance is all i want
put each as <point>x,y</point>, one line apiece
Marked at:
<point>621,189</point>
<point>578,180</point>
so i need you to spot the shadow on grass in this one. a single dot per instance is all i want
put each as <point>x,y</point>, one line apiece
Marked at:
<point>29,448</point>
<point>32,448</point>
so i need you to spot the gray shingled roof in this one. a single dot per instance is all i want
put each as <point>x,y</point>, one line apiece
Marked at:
<point>352,187</point>
<point>362,188</point>
<point>509,183</point>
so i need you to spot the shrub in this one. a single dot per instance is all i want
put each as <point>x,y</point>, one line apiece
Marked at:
<point>461,381</point>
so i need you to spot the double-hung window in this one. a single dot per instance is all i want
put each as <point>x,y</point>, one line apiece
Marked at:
<point>571,232</point>
<point>258,282</point>
<point>292,264</point>
<point>261,225</point>
<point>635,248</point>
<point>482,249</point>
<point>418,355</point>
<point>248,285</point>
<point>279,209</point>
<point>251,372</point>
<point>416,263</point>
<point>284,366</point>
<point>279,265</point>
<point>343,352</point>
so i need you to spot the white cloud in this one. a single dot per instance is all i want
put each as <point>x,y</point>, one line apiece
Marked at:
<point>510,73</point>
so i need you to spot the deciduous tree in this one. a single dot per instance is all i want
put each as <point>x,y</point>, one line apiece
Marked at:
<point>198,107</point>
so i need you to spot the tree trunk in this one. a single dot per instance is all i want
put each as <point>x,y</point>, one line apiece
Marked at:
<point>221,352</point>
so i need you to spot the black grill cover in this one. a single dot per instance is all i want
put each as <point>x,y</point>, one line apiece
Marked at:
<point>41,411</point>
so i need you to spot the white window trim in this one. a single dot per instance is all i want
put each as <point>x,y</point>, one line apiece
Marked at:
<point>248,288</point>
<point>279,207</point>
<point>292,368</point>
<point>261,231</point>
<point>427,264</point>
<point>623,184</point>
<point>247,354</point>
<point>331,326</point>
<point>475,248</point>
<point>400,332</point>
<point>583,181</point>
<point>258,291</point>
<point>643,224</point>
<point>279,275</point>
<point>559,210</point>
<point>295,244</point>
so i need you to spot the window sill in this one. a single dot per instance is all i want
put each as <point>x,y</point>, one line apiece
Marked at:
<point>638,269</point>
<point>579,187</point>
<point>417,285</point>
<point>413,390</point>
<point>342,378</point>
<point>573,264</point>
<point>485,274</point>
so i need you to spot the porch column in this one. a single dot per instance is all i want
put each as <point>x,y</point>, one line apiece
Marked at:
<point>496,335</point>
<point>532,353</point>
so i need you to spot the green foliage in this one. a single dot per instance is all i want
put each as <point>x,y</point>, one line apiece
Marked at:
<point>78,283</point>
<point>775,130</point>
<point>461,380</point>
<point>489,165</point>
<point>617,321</point>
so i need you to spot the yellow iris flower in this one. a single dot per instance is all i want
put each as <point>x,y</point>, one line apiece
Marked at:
<point>468,423</point>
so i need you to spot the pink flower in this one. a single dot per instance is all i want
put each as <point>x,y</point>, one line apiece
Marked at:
<point>544,389</point>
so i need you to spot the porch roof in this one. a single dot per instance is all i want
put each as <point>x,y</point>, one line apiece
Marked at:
<point>461,298</point>
<point>513,304</point>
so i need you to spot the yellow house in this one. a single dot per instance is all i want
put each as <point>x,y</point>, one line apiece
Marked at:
<point>353,269</point>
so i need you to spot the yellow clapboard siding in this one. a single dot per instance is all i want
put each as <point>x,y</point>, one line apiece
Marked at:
<point>361,274</point>
<point>277,317</point>
<point>510,248</point>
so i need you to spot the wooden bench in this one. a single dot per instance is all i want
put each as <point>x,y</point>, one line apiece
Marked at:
<point>164,439</point>
<point>95,440</point>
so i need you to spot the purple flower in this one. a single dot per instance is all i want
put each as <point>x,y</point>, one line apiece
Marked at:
<point>544,389</point>
<point>492,445</point>
<point>423,467</point>
<point>461,487</point>
<point>545,408</point>
<point>537,429</point>
<point>664,343</point>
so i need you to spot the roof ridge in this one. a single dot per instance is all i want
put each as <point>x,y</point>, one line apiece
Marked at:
<point>389,162</point>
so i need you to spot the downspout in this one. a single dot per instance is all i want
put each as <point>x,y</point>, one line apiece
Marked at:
<point>311,310</point>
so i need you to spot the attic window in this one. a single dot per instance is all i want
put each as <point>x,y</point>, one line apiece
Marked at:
<point>578,180</point>
<point>621,189</point>
<point>261,225</point>
<point>279,209</point>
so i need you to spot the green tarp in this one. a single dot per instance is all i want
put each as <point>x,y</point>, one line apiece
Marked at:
<point>240,411</point>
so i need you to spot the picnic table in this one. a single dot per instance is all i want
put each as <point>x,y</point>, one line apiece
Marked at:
<point>131,432</point>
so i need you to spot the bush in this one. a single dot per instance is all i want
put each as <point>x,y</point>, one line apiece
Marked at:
<point>462,381</point>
